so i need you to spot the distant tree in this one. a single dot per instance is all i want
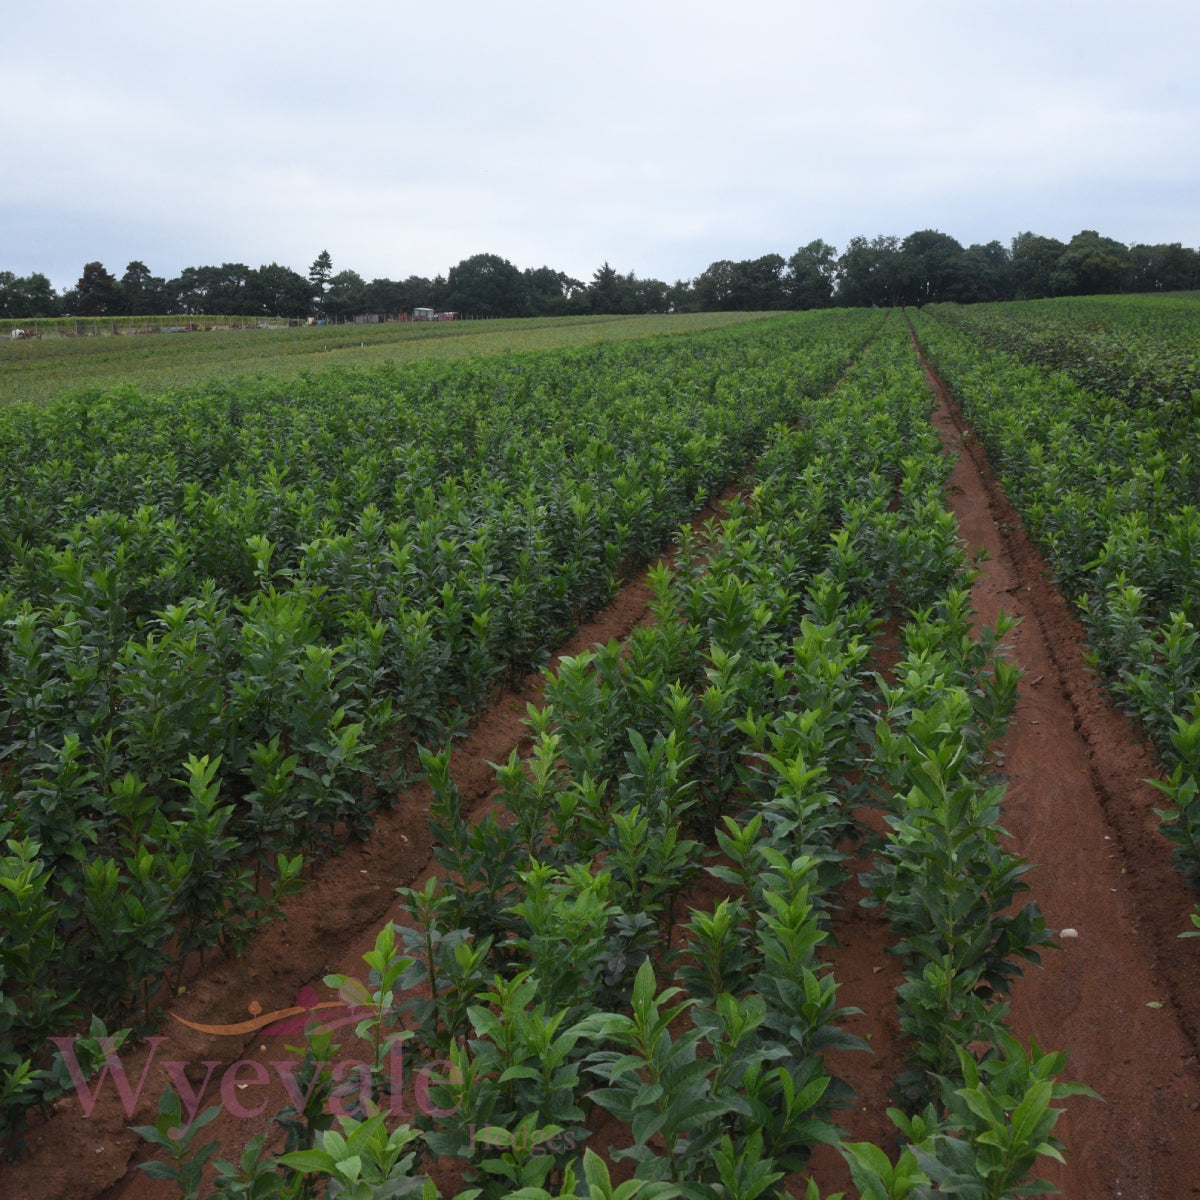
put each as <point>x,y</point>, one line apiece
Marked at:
<point>420,292</point>
<point>553,293</point>
<point>756,284</point>
<point>855,266</point>
<point>576,293</point>
<point>612,292</point>
<point>95,295</point>
<point>681,297</point>
<point>141,292</point>
<point>346,295</point>
<point>810,276</point>
<point>486,285</point>
<point>647,295</point>
<point>604,291</point>
<point>195,290</point>
<point>1091,265</point>
<point>871,273</point>
<point>394,296</point>
<point>36,295</point>
<point>220,291</point>
<point>713,287</point>
<point>227,293</point>
<point>318,278</point>
<point>1034,261</point>
<point>383,296</point>
<point>986,273</point>
<point>437,293</point>
<point>27,296</point>
<point>747,285</point>
<point>931,267</point>
<point>277,291</point>
<point>1169,267</point>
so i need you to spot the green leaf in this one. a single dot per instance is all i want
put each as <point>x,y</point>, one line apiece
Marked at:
<point>308,1162</point>
<point>1029,1113</point>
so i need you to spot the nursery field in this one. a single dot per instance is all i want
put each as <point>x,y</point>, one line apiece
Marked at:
<point>44,368</point>
<point>818,858</point>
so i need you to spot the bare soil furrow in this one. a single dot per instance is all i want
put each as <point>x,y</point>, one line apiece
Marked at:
<point>1120,994</point>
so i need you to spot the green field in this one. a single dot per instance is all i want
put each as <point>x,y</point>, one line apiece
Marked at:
<point>238,620</point>
<point>386,542</point>
<point>246,602</point>
<point>44,368</point>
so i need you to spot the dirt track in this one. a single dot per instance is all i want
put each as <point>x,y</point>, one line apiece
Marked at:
<point>1076,806</point>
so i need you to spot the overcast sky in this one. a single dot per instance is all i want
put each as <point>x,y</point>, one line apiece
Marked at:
<point>658,135</point>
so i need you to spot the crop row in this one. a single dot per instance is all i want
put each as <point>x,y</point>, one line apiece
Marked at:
<point>1137,349</point>
<point>230,618</point>
<point>742,728</point>
<point>1107,490</point>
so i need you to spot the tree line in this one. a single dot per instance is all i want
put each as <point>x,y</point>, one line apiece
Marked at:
<point>925,267</point>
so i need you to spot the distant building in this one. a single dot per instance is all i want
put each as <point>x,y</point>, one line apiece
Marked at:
<point>423,314</point>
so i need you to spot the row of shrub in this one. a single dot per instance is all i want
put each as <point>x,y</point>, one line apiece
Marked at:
<point>230,618</point>
<point>1106,482</point>
<point>737,732</point>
